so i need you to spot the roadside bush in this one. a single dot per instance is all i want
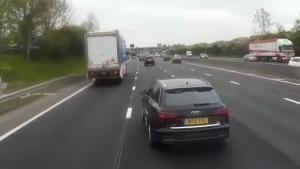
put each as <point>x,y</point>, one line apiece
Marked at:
<point>58,44</point>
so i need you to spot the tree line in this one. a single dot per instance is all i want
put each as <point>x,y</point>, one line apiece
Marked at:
<point>264,28</point>
<point>41,28</point>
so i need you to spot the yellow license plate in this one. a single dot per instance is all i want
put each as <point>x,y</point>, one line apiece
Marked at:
<point>196,121</point>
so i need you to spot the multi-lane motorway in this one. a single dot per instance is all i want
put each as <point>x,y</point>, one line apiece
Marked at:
<point>100,127</point>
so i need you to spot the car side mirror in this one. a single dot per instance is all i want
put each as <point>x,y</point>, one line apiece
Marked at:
<point>143,92</point>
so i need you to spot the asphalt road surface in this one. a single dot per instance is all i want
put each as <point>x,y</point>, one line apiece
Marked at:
<point>100,127</point>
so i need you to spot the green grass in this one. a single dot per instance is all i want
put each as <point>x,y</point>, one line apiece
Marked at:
<point>20,73</point>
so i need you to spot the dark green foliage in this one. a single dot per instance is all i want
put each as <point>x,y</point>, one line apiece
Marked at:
<point>57,44</point>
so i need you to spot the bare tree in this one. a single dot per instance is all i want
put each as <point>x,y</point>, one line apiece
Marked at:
<point>91,23</point>
<point>262,21</point>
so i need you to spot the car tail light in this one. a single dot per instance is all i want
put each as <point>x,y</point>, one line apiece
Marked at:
<point>224,111</point>
<point>168,116</point>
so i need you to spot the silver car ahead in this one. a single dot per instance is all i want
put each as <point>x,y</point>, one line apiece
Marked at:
<point>250,58</point>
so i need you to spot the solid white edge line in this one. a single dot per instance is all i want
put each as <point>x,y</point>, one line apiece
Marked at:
<point>233,82</point>
<point>128,114</point>
<point>12,131</point>
<point>241,73</point>
<point>133,88</point>
<point>291,100</point>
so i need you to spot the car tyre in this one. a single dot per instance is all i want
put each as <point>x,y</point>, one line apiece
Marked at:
<point>153,141</point>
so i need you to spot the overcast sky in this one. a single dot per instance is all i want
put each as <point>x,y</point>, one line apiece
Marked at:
<point>148,22</point>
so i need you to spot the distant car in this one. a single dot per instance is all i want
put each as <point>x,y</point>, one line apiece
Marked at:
<point>203,56</point>
<point>183,110</point>
<point>156,54</point>
<point>167,58</point>
<point>176,59</point>
<point>149,60</point>
<point>295,61</point>
<point>250,58</point>
<point>189,53</point>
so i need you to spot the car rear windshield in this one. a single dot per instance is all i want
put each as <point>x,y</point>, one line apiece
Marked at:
<point>191,97</point>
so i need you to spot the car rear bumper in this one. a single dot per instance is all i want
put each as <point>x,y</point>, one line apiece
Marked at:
<point>149,62</point>
<point>176,61</point>
<point>170,136</point>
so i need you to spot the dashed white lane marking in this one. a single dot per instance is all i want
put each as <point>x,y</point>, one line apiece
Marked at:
<point>241,73</point>
<point>193,70</point>
<point>173,76</point>
<point>165,71</point>
<point>12,131</point>
<point>135,78</point>
<point>291,100</point>
<point>133,88</point>
<point>236,83</point>
<point>137,73</point>
<point>128,114</point>
<point>207,74</point>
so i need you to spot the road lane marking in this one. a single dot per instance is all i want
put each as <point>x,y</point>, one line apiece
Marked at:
<point>135,78</point>
<point>241,73</point>
<point>182,67</point>
<point>193,70</point>
<point>128,114</point>
<point>207,74</point>
<point>137,73</point>
<point>291,100</point>
<point>236,83</point>
<point>165,71</point>
<point>173,76</point>
<point>12,131</point>
<point>133,88</point>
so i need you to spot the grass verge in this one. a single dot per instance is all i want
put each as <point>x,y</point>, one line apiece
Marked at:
<point>21,73</point>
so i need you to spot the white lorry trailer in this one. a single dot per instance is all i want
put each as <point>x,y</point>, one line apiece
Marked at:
<point>106,56</point>
<point>280,50</point>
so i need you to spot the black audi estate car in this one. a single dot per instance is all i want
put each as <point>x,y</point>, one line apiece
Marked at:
<point>183,110</point>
